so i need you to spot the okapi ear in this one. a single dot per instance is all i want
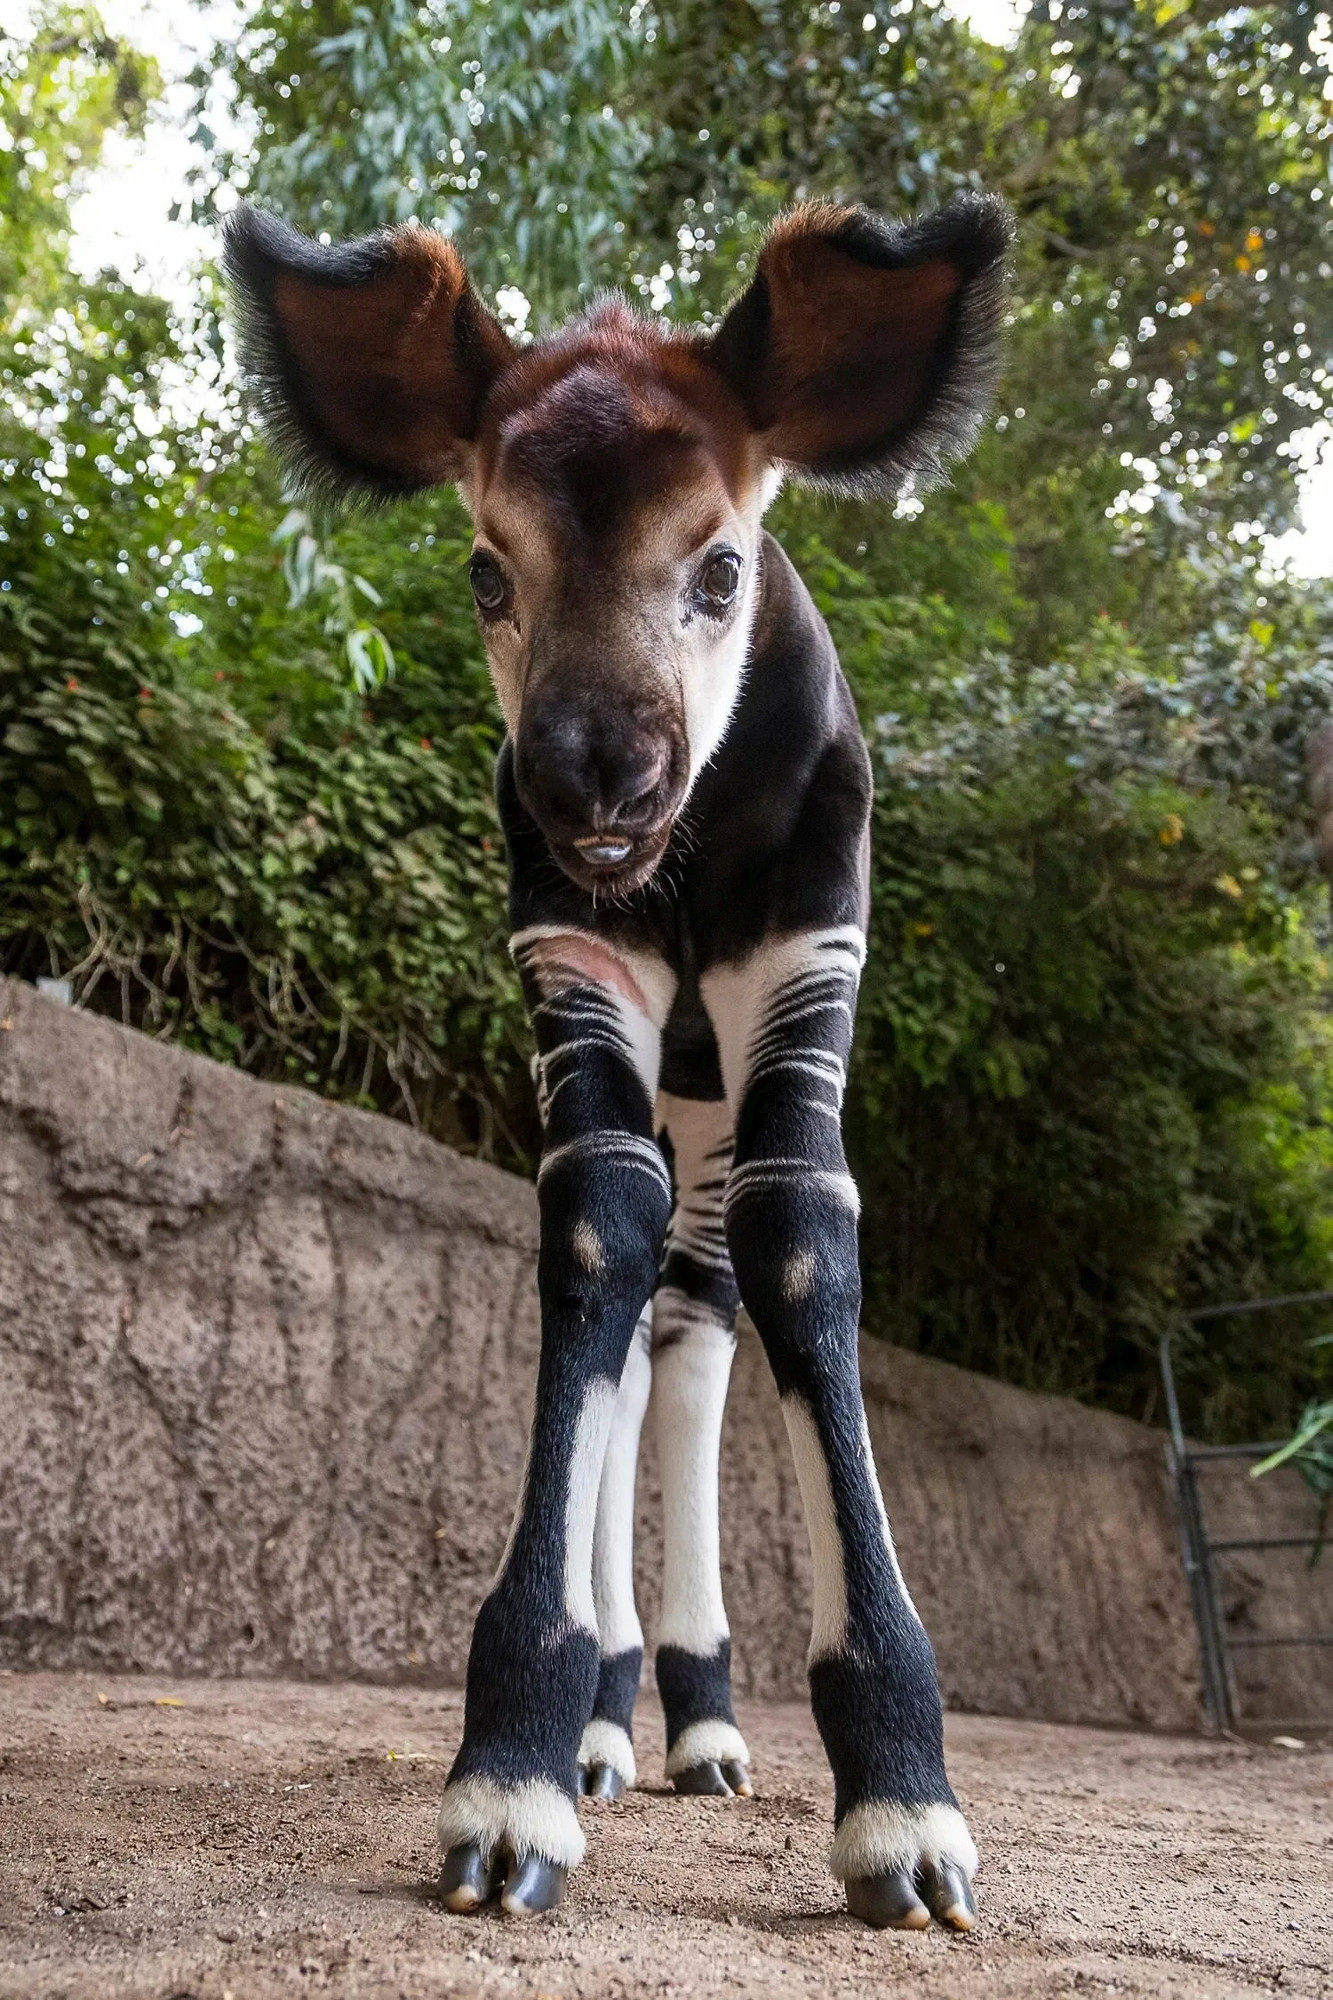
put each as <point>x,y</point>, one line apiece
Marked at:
<point>371,359</point>
<point>866,352</point>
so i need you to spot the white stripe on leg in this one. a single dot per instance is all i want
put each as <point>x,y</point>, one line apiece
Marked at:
<point>585,1478</point>
<point>613,1540</point>
<point>828,1622</point>
<point>690,1374</point>
<point>752,1002</point>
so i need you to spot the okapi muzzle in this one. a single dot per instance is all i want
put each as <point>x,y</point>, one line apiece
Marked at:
<point>686,797</point>
<point>603,774</point>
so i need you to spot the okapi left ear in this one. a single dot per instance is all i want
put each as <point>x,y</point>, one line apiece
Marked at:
<point>866,353</point>
<point>371,359</point>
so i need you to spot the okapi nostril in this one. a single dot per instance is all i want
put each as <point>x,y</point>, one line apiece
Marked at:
<point>639,804</point>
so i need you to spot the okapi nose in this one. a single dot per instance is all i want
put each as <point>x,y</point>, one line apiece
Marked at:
<point>591,773</point>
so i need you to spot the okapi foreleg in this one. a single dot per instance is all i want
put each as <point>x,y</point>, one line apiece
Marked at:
<point>694,1340</point>
<point>783,1020</point>
<point>509,1823</point>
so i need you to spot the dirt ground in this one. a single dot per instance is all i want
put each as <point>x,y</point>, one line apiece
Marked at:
<point>268,1838</point>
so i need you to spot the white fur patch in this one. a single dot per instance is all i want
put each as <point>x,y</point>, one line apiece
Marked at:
<point>643,1039</point>
<point>618,1625</point>
<point>585,1479</point>
<point>587,1246</point>
<point>645,1155</point>
<point>706,1743</point>
<point>713,674</point>
<point>648,970</point>
<point>828,1621</point>
<point>531,1818</point>
<point>606,1743</point>
<point>638,985</point>
<point>770,1172</point>
<point>689,1397</point>
<point>798,1277</point>
<point>877,1836</point>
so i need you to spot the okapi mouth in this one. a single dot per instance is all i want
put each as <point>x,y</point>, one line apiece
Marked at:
<point>613,865</point>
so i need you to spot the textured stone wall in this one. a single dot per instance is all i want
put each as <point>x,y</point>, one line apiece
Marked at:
<point>265,1368</point>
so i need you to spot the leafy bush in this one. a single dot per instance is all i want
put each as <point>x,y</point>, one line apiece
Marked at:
<point>273,868</point>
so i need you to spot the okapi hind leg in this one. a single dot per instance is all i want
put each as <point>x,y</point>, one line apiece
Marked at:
<point>508,1823</point>
<point>694,1340</point>
<point>606,1753</point>
<point>783,1020</point>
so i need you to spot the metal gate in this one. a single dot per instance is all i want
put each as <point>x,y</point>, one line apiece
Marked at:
<point>1198,1549</point>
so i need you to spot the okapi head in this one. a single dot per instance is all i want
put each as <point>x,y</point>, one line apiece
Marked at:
<point>616,471</point>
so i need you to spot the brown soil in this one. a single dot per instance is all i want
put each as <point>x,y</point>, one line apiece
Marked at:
<point>268,1838</point>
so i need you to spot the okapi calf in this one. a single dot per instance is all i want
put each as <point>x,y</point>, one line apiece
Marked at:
<point>685,796</point>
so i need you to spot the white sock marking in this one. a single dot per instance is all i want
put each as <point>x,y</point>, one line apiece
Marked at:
<point>710,1742</point>
<point>530,1818</point>
<point>878,1836</point>
<point>607,1743</point>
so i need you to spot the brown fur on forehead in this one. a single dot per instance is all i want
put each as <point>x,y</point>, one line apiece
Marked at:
<point>612,412</point>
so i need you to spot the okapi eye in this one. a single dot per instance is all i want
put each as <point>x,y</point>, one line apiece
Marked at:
<point>718,581</point>
<point>488,583</point>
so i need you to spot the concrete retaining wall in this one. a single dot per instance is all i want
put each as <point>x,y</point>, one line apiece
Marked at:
<point>265,1366</point>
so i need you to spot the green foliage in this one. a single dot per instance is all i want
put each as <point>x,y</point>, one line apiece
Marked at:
<point>1089,1085</point>
<point>492,121</point>
<point>276,869</point>
<point>1310,1448</point>
<point>60,89</point>
<point>245,755</point>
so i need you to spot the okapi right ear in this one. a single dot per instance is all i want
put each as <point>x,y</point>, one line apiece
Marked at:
<point>371,359</point>
<point>865,352</point>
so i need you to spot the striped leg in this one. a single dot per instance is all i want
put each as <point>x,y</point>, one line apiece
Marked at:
<point>508,1823</point>
<point>694,1339</point>
<point>606,1754</point>
<point>783,1020</point>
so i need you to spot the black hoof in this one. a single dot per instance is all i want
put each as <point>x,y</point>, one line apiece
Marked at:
<point>600,1781</point>
<point>711,1780</point>
<point>533,1884</point>
<point>468,1879</point>
<point>888,1902</point>
<point>948,1895</point>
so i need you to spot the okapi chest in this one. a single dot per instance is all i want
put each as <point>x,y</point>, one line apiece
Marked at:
<point>685,797</point>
